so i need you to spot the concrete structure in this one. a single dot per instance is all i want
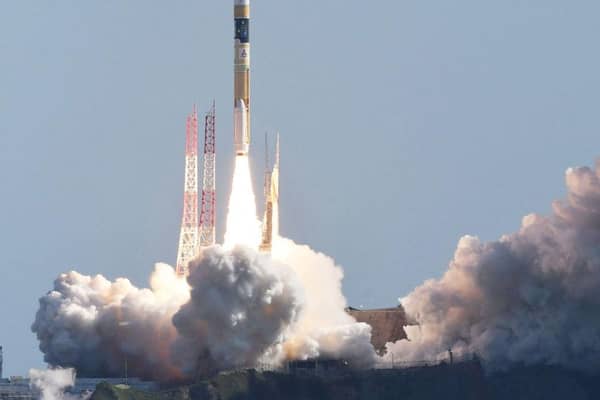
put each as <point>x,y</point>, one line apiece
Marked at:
<point>18,388</point>
<point>387,323</point>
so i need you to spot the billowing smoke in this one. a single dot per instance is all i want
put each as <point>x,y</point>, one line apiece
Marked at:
<point>96,326</point>
<point>237,308</point>
<point>323,328</point>
<point>241,302</point>
<point>531,297</point>
<point>51,384</point>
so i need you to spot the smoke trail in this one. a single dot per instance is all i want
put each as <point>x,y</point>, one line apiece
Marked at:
<point>243,228</point>
<point>531,297</point>
<point>52,383</point>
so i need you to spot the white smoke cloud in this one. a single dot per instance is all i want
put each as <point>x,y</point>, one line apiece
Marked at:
<point>52,383</point>
<point>323,328</point>
<point>237,308</point>
<point>241,302</point>
<point>531,297</point>
<point>95,325</point>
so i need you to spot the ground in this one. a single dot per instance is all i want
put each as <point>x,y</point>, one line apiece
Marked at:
<point>464,381</point>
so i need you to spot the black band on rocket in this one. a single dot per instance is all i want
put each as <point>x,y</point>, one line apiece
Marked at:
<point>242,30</point>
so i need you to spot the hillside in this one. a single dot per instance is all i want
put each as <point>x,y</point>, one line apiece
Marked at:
<point>461,381</point>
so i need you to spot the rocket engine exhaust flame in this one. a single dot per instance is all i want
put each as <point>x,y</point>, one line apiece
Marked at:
<point>243,226</point>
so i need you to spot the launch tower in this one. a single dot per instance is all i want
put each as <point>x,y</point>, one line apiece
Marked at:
<point>188,237</point>
<point>208,208</point>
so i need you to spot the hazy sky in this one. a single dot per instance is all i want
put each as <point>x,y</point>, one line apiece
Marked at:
<point>404,125</point>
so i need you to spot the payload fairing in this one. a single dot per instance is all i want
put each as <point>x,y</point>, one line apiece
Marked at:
<point>241,113</point>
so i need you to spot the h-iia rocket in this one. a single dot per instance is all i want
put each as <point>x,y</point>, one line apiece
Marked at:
<point>241,97</point>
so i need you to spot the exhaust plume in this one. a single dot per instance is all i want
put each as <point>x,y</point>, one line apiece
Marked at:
<point>238,307</point>
<point>243,228</point>
<point>323,329</point>
<point>531,297</point>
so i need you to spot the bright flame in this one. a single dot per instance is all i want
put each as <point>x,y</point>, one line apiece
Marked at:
<point>243,227</point>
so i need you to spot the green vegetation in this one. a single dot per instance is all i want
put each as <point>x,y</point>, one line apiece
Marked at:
<point>346,385</point>
<point>106,391</point>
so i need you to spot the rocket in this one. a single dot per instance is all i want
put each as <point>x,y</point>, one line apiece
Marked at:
<point>241,96</point>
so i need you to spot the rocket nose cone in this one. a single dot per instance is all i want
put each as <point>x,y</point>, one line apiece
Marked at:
<point>242,2</point>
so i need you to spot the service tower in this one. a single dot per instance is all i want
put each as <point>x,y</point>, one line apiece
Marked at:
<point>241,97</point>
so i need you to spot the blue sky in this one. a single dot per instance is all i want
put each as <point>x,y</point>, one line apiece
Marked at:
<point>404,125</point>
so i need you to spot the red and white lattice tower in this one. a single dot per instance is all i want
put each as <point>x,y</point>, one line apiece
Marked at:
<point>207,213</point>
<point>188,238</point>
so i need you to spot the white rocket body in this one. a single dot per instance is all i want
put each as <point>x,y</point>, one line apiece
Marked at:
<point>241,133</point>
